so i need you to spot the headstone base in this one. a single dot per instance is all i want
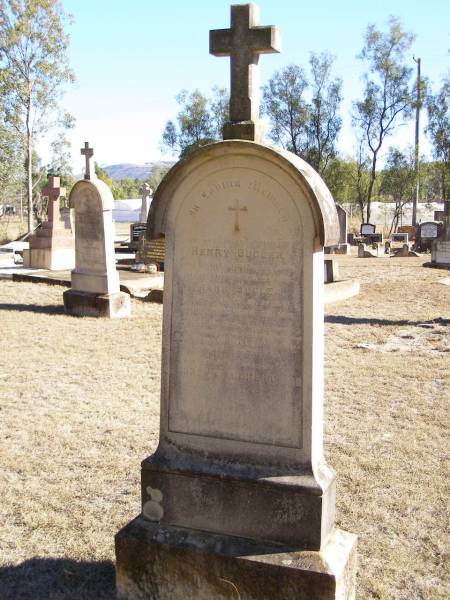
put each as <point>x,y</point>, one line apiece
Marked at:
<point>177,563</point>
<point>242,130</point>
<point>85,304</point>
<point>46,258</point>
<point>440,253</point>
<point>341,290</point>
<point>240,502</point>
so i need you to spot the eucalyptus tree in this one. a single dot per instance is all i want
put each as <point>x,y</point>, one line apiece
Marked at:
<point>438,108</point>
<point>199,121</point>
<point>33,72</point>
<point>387,97</point>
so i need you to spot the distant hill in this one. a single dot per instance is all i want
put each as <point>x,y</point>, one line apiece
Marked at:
<point>124,170</point>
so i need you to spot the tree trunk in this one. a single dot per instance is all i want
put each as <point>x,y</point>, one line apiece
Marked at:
<point>373,174</point>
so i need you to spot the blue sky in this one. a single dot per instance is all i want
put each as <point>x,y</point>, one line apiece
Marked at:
<point>131,58</point>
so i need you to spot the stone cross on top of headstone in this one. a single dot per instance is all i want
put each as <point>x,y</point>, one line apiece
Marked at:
<point>88,154</point>
<point>243,43</point>
<point>53,192</point>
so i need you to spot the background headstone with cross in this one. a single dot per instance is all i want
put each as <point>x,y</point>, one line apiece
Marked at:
<point>95,287</point>
<point>52,246</point>
<point>238,488</point>
<point>137,230</point>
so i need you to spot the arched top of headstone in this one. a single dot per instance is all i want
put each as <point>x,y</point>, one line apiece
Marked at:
<point>286,164</point>
<point>97,190</point>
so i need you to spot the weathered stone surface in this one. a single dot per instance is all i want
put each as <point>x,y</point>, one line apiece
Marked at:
<point>95,269</point>
<point>243,43</point>
<point>343,227</point>
<point>95,275</point>
<point>235,501</point>
<point>341,290</point>
<point>53,245</point>
<point>427,233</point>
<point>238,488</point>
<point>331,270</point>
<point>167,563</point>
<point>85,304</point>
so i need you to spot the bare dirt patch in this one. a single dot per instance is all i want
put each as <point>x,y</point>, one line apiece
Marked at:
<point>79,409</point>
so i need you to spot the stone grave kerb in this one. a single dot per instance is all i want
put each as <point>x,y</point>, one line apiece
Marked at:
<point>243,42</point>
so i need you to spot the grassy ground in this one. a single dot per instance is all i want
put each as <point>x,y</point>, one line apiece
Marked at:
<point>11,227</point>
<point>79,402</point>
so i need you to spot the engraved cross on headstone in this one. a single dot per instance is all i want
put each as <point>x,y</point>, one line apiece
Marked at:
<point>243,43</point>
<point>237,209</point>
<point>88,154</point>
<point>53,192</point>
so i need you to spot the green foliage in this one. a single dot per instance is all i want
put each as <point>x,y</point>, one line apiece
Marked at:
<point>126,188</point>
<point>339,178</point>
<point>387,97</point>
<point>397,181</point>
<point>438,108</point>
<point>287,109</point>
<point>11,164</point>
<point>103,175</point>
<point>157,176</point>
<point>308,129</point>
<point>33,71</point>
<point>199,122</point>
<point>324,122</point>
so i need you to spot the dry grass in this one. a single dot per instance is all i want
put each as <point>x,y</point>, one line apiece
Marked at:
<point>11,227</point>
<point>79,405</point>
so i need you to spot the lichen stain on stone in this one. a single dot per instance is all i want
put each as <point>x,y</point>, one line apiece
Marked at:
<point>152,509</point>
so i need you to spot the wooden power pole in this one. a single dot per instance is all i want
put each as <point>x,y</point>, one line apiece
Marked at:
<point>416,145</point>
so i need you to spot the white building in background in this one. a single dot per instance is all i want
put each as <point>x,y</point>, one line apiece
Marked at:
<point>382,213</point>
<point>127,211</point>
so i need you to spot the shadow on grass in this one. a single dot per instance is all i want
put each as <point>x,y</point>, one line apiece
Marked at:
<point>58,579</point>
<point>342,320</point>
<point>50,309</point>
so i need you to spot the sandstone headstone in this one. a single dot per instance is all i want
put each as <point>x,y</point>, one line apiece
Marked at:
<point>52,246</point>
<point>95,284</point>
<point>239,488</point>
<point>440,248</point>
<point>241,424</point>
